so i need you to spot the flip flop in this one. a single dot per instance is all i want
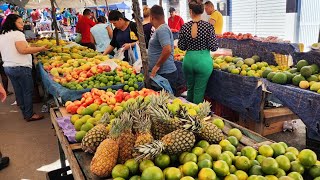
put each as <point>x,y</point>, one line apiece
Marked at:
<point>9,93</point>
<point>35,117</point>
<point>4,162</point>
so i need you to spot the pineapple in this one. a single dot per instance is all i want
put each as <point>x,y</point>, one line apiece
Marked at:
<point>204,109</point>
<point>93,138</point>
<point>142,125</point>
<point>205,130</point>
<point>175,142</point>
<point>126,138</point>
<point>107,153</point>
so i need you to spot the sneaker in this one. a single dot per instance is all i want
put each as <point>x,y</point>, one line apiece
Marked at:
<point>4,162</point>
<point>14,103</point>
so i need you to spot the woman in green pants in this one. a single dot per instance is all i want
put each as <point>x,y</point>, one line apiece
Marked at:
<point>197,37</point>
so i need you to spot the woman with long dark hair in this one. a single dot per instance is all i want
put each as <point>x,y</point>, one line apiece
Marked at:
<point>17,63</point>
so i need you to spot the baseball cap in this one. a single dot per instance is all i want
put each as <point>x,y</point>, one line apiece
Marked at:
<point>172,9</point>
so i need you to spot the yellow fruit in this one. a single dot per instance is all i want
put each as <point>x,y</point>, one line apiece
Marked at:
<point>203,144</point>
<point>145,164</point>
<point>296,166</point>
<point>197,151</point>
<point>249,152</point>
<point>304,84</point>
<point>231,177</point>
<point>226,158</point>
<point>290,156</point>
<point>206,163</point>
<point>153,173</point>
<point>214,151</point>
<point>266,150</point>
<point>218,122</point>
<point>190,169</point>
<point>79,135</point>
<point>224,143</point>
<point>307,158</point>
<point>271,177</point>
<point>204,156</point>
<point>221,168</point>
<point>233,140</point>
<point>284,162</point>
<point>162,161</point>
<point>293,150</point>
<point>278,149</point>
<point>243,163</point>
<point>190,157</point>
<point>181,157</point>
<point>295,176</point>
<point>269,166</point>
<point>235,132</point>
<point>241,175</point>
<point>314,171</point>
<point>121,171</point>
<point>74,118</point>
<point>172,173</point>
<point>133,166</point>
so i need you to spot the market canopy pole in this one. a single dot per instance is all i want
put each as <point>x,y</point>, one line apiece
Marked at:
<point>160,2</point>
<point>142,42</point>
<point>55,25</point>
<point>107,6</point>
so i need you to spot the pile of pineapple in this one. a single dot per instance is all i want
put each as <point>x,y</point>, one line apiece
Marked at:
<point>147,129</point>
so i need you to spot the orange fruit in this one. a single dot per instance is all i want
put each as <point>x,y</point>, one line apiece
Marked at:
<point>231,177</point>
<point>249,152</point>
<point>221,168</point>
<point>266,150</point>
<point>243,163</point>
<point>295,176</point>
<point>214,151</point>
<point>203,144</point>
<point>162,161</point>
<point>207,174</point>
<point>190,157</point>
<point>204,156</point>
<point>284,162</point>
<point>197,151</point>
<point>145,164</point>
<point>296,166</point>
<point>314,171</point>
<point>269,166</point>
<point>235,132</point>
<point>224,143</point>
<point>205,164</point>
<point>121,171</point>
<point>290,156</point>
<point>190,169</point>
<point>293,150</point>
<point>172,173</point>
<point>280,173</point>
<point>154,173</point>
<point>241,175</point>
<point>307,158</point>
<point>255,170</point>
<point>233,140</point>
<point>133,166</point>
<point>225,157</point>
<point>278,149</point>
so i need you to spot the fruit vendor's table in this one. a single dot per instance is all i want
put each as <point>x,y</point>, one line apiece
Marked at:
<point>248,48</point>
<point>65,94</point>
<point>79,161</point>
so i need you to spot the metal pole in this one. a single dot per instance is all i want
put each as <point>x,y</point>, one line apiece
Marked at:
<point>107,7</point>
<point>160,2</point>
<point>55,25</point>
<point>142,43</point>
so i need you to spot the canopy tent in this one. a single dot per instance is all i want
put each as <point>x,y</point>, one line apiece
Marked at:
<point>115,6</point>
<point>35,4</point>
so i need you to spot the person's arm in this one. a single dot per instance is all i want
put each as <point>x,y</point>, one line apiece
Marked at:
<point>110,32</point>
<point>92,39</point>
<point>165,42</point>
<point>109,49</point>
<point>212,40</point>
<point>24,48</point>
<point>182,41</point>
<point>212,19</point>
<point>3,94</point>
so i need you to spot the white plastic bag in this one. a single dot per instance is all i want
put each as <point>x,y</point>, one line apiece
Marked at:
<point>119,54</point>
<point>138,63</point>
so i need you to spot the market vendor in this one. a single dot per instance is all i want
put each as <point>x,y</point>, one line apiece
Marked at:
<point>197,38</point>
<point>160,50</point>
<point>125,34</point>
<point>83,27</point>
<point>17,63</point>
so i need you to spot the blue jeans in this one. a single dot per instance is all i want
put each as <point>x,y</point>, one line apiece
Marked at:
<point>22,82</point>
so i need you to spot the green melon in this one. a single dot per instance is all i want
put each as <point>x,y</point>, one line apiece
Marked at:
<point>306,71</point>
<point>236,59</point>
<point>256,58</point>
<point>231,67</point>
<point>266,72</point>
<point>239,63</point>
<point>315,68</point>
<point>279,78</point>
<point>270,75</point>
<point>301,64</point>
<point>249,61</point>
<point>296,79</point>
<point>289,76</point>
<point>313,78</point>
<point>315,86</point>
<point>293,70</point>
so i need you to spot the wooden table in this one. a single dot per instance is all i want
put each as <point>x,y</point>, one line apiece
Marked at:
<point>79,161</point>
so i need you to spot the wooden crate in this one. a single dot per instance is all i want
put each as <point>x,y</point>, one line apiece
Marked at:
<point>271,121</point>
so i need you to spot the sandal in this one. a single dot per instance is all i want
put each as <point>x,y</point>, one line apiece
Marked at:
<point>35,117</point>
<point>4,162</point>
<point>9,93</point>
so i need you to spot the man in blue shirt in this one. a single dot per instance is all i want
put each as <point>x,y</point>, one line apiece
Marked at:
<point>160,49</point>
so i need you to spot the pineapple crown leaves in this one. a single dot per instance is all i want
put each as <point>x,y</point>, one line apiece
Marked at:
<point>141,121</point>
<point>160,113</point>
<point>126,121</point>
<point>192,124</point>
<point>150,150</point>
<point>115,129</point>
<point>159,100</point>
<point>205,109</point>
<point>105,119</point>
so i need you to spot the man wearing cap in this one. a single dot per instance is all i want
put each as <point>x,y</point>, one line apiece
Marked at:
<point>175,23</point>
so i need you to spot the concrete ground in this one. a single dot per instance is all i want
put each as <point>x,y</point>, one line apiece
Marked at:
<point>30,145</point>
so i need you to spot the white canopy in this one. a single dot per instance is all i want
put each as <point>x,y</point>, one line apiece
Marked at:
<point>35,4</point>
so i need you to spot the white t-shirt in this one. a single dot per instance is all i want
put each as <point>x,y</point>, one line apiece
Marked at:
<point>10,55</point>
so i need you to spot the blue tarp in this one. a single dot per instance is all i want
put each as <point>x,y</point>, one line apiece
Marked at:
<point>248,48</point>
<point>240,93</point>
<point>313,57</point>
<point>56,90</point>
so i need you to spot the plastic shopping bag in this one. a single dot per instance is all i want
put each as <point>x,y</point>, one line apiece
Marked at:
<point>138,63</point>
<point>119,54</point>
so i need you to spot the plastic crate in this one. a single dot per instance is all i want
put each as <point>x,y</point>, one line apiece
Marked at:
<point>58,174</point>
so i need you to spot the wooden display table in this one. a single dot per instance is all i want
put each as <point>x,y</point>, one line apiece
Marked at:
<point>79,161</point>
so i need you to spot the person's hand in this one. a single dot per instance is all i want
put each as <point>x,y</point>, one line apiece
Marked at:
<point>174,30</point>
<point>126,46</point>
<point>154,71</point>
<point>44,48</point>
<point>3,94</point>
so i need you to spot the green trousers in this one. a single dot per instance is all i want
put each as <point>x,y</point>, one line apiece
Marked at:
<point>197,67</point>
